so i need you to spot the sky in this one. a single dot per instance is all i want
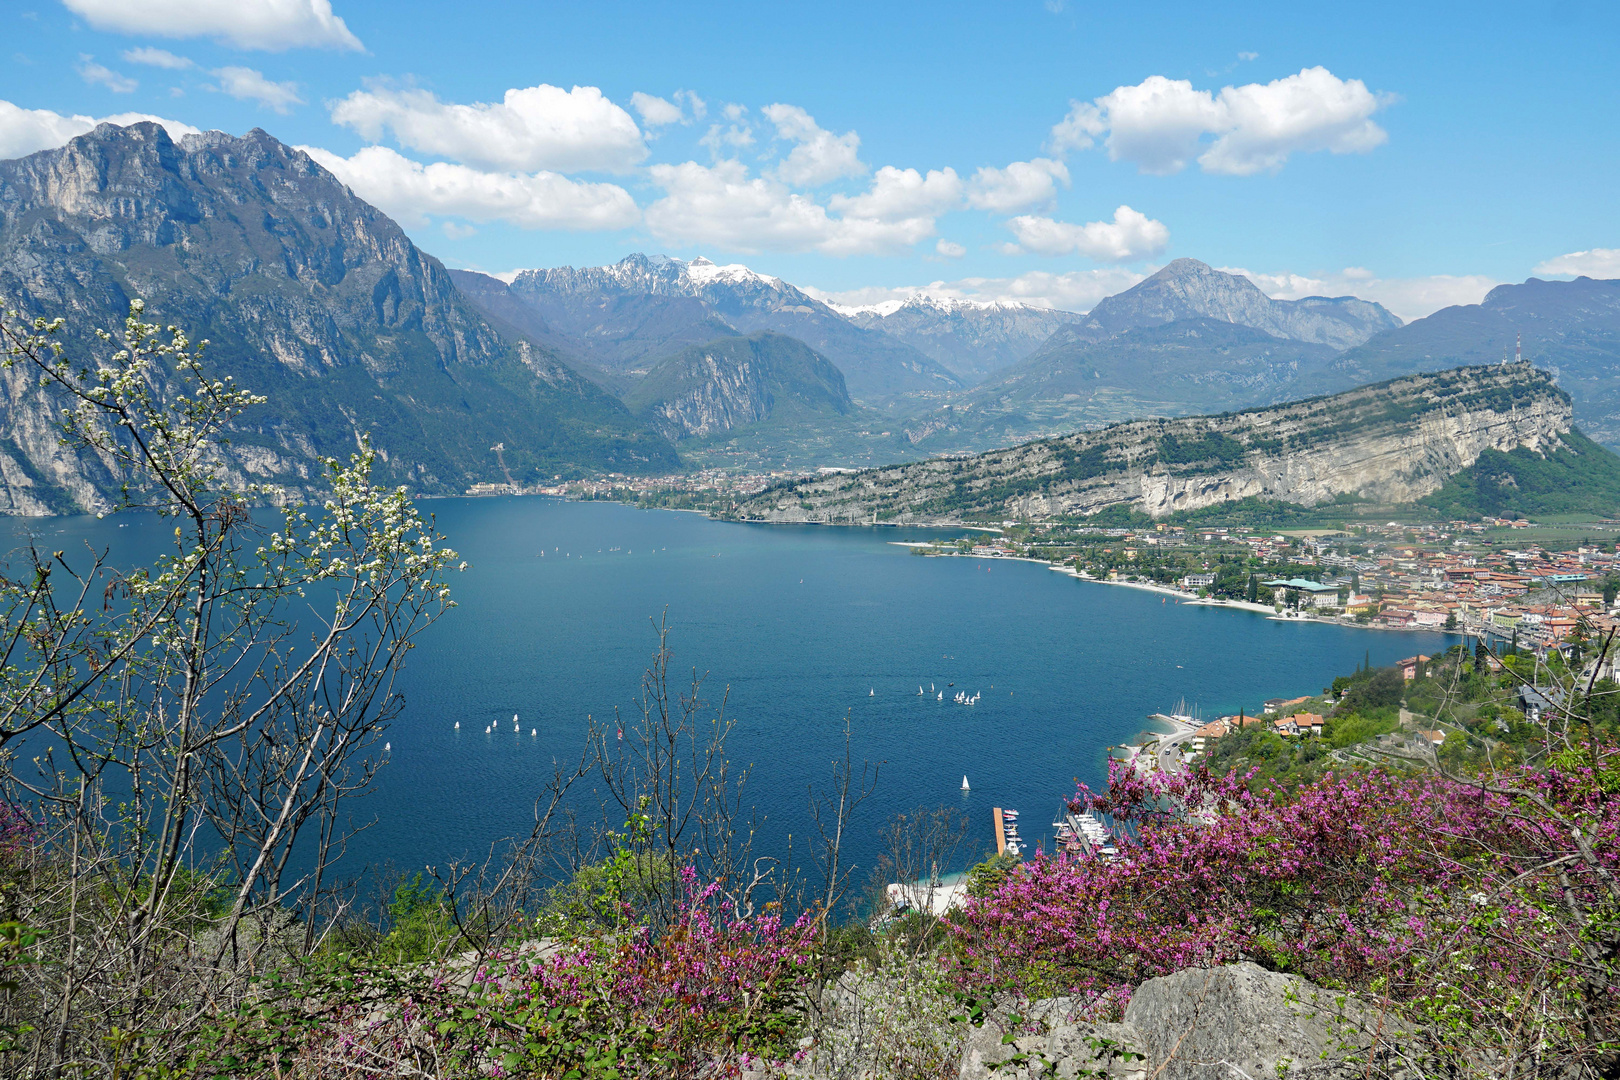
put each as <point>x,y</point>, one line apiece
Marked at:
<point>1052,151</point>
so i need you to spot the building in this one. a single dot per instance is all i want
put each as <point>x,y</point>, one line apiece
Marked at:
<point>1197,581</point>
<point>1411,666</point>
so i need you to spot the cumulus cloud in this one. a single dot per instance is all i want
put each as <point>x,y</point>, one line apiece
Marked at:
<point>1077,290</point>
<point>270,25</point>
<point>27,131</point>
<point>735,134</point>
<point>1410,298</point>
<point>245,84</point>
<point>100,75</point>
<point>682,107</point>
<point>655,111</point>
<point>950,249</point>
<point>1131,235</point>
<point>1020,186</point>
<point>818,155</point>
<point>411,191</point>
<point>722,206</point>
<point>535,128</point>
<point>1161,124</point>
<point>903,193</point>
<point>1594,263</point>
<point>160,58</point>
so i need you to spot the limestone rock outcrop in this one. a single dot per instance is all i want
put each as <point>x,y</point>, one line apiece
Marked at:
<point>1239,1020</point>
<point>1393,442</point>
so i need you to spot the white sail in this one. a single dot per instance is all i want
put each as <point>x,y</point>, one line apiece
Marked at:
<point>965,783</point>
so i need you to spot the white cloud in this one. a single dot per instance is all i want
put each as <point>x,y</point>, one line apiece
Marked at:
<point>722,206</point>
<point>736,134</point>
<point>1020,186</point>
<point>245,84</point>
<point>903,193</point>
<point>1160,124</point>
<point>161,58</point>
<point>1130,236</point>
<point>100,75</point>
<point>819,156</point>
<point>1410,298</point>
<point>1247,56</point>
<point>457,231</point>
<point>1077,290</point>
<point>27,131</point>
<point>1595,263</point>
<point>535,128</point>
<point>410,191</point>
<point>682,107</point>
<point>655,111</point>
<point>949,249</point>
<point>271,25</point>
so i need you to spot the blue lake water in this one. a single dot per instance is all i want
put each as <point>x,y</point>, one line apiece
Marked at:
<point>799,626</point>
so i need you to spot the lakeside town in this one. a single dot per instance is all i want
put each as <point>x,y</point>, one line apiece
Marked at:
<point>1505,579</point>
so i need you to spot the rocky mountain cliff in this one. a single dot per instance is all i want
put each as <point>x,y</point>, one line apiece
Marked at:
<point>970,338</point>
<point>1393,442</point>
<point>1187,366</point>
<point>1189,289</point>
<point>627,316</point>
<point>307,294</point>
<point>732,382</point>
<point>1570,328</point>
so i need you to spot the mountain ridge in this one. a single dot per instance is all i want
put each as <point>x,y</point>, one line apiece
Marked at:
<point>731,382</point>
<point>1391,442</point>
<point>309,296</point>
<point>632,313</point>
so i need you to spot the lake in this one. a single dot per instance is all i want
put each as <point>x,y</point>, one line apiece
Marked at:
<point>799,626</point>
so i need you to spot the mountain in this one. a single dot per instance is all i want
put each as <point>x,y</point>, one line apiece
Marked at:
<point>627,316</point>
<point>1394,442</point>
<point>1187,366</point>
<point>736,381</point>
<point>307,295</point>
<point>970,338</point>
<point>1570,328</point>
<point>1189,289</point>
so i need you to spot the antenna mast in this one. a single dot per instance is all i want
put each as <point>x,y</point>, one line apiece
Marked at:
<point>1518,349</point>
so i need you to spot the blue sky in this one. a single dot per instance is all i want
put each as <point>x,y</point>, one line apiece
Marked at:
<point>1054,151</point>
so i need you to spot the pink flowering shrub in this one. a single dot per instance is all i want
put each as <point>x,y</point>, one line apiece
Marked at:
<point>711,989</point>
<point>1467,903</point>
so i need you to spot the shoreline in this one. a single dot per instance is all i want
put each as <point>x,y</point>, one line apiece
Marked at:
<point>1187,599</point>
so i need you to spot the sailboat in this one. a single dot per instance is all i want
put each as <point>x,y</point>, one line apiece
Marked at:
<point>871,693</point>
<point>942,695</point>
<point>965,783</point>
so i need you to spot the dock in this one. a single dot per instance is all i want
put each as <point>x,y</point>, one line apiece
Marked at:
<point>1001,835</point>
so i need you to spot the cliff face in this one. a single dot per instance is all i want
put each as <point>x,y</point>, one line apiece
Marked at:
<point>307,294</point>
<point>735,381</point>
<point>1393,442</point>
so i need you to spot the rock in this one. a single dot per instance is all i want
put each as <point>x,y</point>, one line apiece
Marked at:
<point>1242,1020</point>
<point>1228,1023</point>
<point>1392,442</point>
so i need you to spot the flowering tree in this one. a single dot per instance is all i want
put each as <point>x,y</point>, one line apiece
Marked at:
<point>191,727</point>
<point>1486,912</point>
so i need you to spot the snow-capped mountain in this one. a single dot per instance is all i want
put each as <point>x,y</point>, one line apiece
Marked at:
<point>972,338</point>
<point>628,316</point>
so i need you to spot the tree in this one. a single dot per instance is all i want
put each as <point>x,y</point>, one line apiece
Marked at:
<point>1451,620</point>
<point>1254,588</point>
<point>201,721</point>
